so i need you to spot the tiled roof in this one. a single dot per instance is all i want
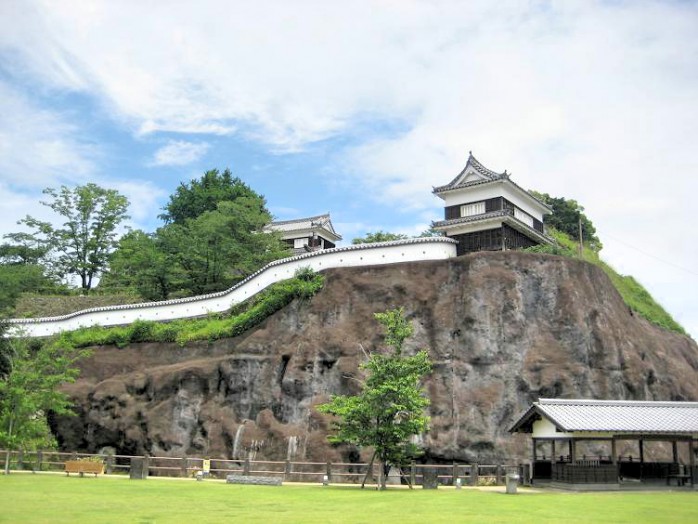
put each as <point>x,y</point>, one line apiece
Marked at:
<point>619,416</point>
<point>508,217</point>
<point>489,177</point>
<point>300,224</point>
<point>473,162</point>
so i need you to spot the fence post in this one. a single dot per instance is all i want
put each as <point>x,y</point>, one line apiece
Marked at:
<point>246,467</point>
<point>110,463</point>
<point>39,460</point>
<point>413,473</point>
<point>20,459</point>
<point>455,473</point>
<point>500,476</point>
<point>287,469</point>
<point>474,474</point>
<point>329,471</point>
<point>184,466</point>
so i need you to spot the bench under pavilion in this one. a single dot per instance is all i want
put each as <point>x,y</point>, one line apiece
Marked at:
<point>625,429</point>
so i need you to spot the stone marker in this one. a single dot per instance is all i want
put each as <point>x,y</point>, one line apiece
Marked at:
<point>251,479</point>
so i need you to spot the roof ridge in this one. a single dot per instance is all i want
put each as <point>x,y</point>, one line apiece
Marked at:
<point>304,219</point>
<point>612,402</point>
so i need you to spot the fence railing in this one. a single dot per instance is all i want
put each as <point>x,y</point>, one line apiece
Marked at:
<point>288,470</point>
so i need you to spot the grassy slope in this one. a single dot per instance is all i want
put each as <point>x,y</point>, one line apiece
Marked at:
<point>635,296</point>
<point>239,319</point>
<point>56,498</point>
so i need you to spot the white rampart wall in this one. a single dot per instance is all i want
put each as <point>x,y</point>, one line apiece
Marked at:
<point>360,255</point>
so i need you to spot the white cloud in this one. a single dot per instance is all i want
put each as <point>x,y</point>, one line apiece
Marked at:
<point>180,153</point>
<point>589,100</point>
<point>38,146</point>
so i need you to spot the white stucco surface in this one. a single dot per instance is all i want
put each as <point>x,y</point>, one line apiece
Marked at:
<point>412,250</point>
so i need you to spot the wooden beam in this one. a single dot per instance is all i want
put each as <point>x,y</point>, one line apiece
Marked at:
<point>614,459</point>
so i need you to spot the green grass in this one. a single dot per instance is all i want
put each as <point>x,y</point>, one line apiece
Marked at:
<point>56,498</point>
<point>635,296</point>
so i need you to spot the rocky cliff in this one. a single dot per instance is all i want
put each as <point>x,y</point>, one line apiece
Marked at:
<point>502,329</point>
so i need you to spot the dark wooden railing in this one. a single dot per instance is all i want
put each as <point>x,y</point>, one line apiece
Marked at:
<point>290,471</point>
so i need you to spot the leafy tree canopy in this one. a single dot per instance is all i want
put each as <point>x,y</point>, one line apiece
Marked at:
<point>81,246</point>
<point>566,216</point>
<point>30,390</point>
<point>389,409</point>
<point>212,240</point>
<point>198,196</point>
<point>379,236</point>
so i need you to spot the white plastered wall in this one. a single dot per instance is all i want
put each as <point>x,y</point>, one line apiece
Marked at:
<point>411,250</point>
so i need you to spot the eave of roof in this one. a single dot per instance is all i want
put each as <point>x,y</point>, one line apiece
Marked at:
<point>492,215</point>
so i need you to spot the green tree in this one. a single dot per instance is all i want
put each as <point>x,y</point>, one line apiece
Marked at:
<point>566,216</point>
<point>143,263</point>
<point>220,247</point>
<point>30,390</point>
<point>389,409</point>
<point>81,246</point>
<point>198,196</point>
<point>379,236</point>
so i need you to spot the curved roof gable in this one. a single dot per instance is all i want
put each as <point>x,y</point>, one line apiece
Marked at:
<point>473,173</point>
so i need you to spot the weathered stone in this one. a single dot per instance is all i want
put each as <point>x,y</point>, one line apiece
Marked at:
<point>256,480</point>
<point>502,329</point>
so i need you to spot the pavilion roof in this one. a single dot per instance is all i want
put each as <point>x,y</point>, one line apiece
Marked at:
<point>619,416</point>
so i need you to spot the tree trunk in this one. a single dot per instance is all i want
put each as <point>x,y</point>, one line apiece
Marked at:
<point>368,470</point>
<point>7,453</point>
<point>381,475</point>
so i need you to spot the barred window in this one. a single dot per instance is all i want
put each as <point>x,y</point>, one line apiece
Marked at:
<point>467,210</point>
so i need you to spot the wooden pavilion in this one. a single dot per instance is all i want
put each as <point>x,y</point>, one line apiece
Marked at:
<point>559,427</point>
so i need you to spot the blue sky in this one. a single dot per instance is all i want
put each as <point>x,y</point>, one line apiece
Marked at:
<point>360,111</point>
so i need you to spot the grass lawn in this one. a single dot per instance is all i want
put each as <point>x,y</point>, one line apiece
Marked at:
<point>57,498</point>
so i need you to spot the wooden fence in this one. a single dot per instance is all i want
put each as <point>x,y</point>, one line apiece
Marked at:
<point>289,471</point>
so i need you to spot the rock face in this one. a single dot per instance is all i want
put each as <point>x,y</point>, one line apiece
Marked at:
<point>502,329</point>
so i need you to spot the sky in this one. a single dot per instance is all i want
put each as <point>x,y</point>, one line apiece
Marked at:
<point>360,108</point>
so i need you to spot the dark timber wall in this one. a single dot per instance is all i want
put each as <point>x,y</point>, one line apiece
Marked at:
<point>504,237</point>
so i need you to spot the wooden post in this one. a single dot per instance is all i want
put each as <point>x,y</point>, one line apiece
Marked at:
<point>329,471</point>
<point>675,451</point>
<point>614,460</point>
<point>110,463</point>
<point>552,452</point>
<point>474,474</point>
<point>455,473</point>
<point>246,467</point>
<point>692,460</point>
<point>39,460</point>
<point>287,468</point>
<point>573,451</point>
<point>413,473</point>
<point>499,479</point>
<point>20,459</point>
<point>184,466</point>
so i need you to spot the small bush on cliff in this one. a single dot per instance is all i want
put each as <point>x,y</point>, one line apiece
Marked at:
<point>241,318</point>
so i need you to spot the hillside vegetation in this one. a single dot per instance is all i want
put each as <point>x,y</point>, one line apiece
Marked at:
<point>239,319</point>
<point>637,298</point>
